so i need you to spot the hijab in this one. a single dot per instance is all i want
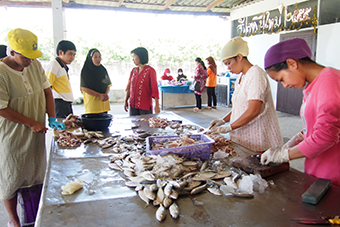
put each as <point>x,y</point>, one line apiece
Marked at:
<point>3,51</point>
<point>212,64</point>
<point>94,77</point>
<point>165,74</point>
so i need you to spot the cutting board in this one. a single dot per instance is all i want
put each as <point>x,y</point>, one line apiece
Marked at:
<point>251,164</point>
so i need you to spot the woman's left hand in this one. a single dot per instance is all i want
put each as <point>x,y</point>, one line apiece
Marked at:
<point>157,109</point>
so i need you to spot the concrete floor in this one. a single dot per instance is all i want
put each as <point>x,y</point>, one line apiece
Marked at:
<point>290,125</point>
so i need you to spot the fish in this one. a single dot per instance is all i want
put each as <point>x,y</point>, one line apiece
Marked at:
<point>203,176</point>
<point>230,182</point>
<point>143,197</point>
<point>243,195</point>
<point>215,191</point>
<point>160,195</point>
<point>147,175</point>
<point>137,179</point>
<point>174,194</point>
<point>105,146</point>
<point>221,175</point>
<point>204,166</point>
<point>138,187</point>
<point>174,210</point>
<point>227,190</point>
<point>153,187</point>
<point>149,194</point>
<point>131,184</point>
<point>188,175</point>
<point>167,190</point>
<point>189,163</point>
<point>160,213</point>
<point>167,202</point>
<point>192,185</point>
<point>198,189</point>
<point>129,173</point>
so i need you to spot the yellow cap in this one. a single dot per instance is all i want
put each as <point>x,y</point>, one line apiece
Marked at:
<point>24,42</point>
<point>233,47</point>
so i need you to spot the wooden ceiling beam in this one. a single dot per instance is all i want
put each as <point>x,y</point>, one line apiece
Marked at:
<point>212,5</point>
<point>169,3</point>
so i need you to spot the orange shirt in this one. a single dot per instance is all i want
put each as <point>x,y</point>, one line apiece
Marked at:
<point>212,78</point>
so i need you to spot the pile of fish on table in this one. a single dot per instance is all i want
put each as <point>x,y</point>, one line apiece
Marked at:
<point>161,180</point>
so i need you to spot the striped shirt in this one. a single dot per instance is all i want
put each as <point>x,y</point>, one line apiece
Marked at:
<point>57,75</point>
<point>263,132</point>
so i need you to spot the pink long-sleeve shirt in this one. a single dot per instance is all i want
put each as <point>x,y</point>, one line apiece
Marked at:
<point>320,113</point>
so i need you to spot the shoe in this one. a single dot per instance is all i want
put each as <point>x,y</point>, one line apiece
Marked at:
<point>214,107</point>
<point>207,107</point>
<point>197,110</point>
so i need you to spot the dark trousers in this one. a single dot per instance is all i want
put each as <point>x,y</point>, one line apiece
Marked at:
<point>62,108</point>
<point>134,111</point>
<point>198,101</point>
<point>211,96</point>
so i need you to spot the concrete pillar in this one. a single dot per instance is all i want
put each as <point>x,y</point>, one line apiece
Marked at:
<point>58,22</point>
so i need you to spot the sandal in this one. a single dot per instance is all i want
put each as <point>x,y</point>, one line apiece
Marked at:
<point>214,107</point>
<point>197,110</point>
<point>208,107</point>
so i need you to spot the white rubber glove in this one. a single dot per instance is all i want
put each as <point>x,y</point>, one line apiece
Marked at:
<point>216,123</point>
<point>217,130</point>
<point>295,140</point>
<point>275,155</point>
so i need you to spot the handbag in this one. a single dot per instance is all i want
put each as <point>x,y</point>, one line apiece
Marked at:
<point>195,86</point>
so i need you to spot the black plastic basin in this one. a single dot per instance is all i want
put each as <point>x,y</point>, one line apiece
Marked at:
<point>96,122</point>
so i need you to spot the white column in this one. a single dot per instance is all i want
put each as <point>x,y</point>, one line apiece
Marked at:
<point>58,22</point>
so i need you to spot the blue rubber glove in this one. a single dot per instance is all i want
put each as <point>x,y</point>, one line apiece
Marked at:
<point>55,124</point>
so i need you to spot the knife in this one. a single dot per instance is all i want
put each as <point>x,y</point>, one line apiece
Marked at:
<point>317,221</point>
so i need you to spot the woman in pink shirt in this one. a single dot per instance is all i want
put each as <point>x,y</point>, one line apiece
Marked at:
<point>289,62</point>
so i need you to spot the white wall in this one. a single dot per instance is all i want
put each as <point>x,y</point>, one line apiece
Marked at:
<point>258,46</point>
<point>328,46</point>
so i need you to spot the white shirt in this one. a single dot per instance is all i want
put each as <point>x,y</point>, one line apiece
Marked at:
<point>263,132</point>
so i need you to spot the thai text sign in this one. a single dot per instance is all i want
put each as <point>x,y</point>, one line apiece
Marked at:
<point>283,18</point>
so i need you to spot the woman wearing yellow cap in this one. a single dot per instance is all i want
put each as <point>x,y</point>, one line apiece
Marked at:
<point>253,120</point>
<point>25,98</point>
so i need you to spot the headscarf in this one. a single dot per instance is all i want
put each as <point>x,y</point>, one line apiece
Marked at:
<point>165,76</point>
<point>296,48</point>
<point>234,47</point>
<point>212,64</point>
<point>3,51</point>
<point>94,77</point>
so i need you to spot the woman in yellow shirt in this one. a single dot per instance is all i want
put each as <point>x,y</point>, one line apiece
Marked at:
<point>95,84</point>
<point>211,83</point>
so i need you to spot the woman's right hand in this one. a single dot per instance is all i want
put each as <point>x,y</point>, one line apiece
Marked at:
<point>103,97</point>
<point>126,106</point>
<point>37,127</point>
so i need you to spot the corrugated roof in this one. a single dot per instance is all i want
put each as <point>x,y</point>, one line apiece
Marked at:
<point>208,7</point>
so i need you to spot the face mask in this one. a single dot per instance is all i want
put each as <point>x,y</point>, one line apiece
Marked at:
<point>168,74</point>
<point>180,73</point>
